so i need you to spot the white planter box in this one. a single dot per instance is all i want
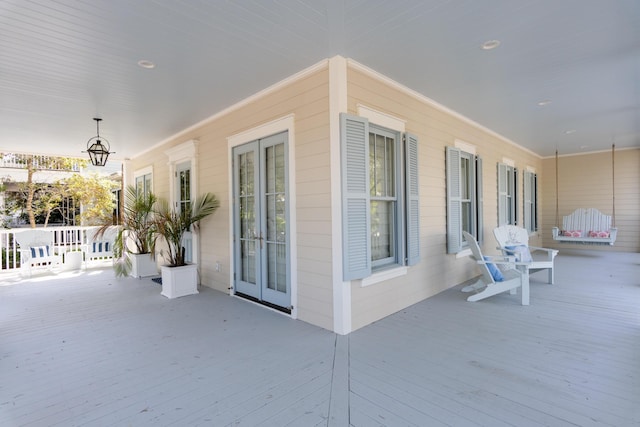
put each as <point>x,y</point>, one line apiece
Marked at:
<point>142,265</point>
<point>179,281</point>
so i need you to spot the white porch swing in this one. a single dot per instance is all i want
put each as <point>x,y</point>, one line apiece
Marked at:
<point>587,226</point>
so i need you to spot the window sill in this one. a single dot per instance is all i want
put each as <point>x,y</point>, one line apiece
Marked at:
<point>463,253</point>
<point>383,275</point>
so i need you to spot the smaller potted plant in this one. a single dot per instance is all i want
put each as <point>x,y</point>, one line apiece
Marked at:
<point>134,244</point>
<point>180,278</point>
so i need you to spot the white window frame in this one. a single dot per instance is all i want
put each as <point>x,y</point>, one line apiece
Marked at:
<point>507,194</point>
<point>143,173</point>
<point>454,157</point>
<point>397,238</point>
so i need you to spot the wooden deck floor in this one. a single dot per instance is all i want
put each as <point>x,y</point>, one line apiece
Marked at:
<point>86,349</point>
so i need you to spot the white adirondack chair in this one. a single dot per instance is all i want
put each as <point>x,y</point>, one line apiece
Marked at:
<point>487,286</point>
<point>511,238</point>
<point>37,250</point>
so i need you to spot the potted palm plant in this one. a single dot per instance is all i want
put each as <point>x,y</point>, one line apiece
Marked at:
<point>180,278</point>
<point>134,245</point>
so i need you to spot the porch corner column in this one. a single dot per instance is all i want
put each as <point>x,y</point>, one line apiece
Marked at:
<point>338,104</point>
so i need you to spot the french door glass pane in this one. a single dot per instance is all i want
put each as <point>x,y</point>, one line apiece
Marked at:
<point>247,218</point>
<point>275,218</point>
<point>277,273</point>
<point>248,255</point>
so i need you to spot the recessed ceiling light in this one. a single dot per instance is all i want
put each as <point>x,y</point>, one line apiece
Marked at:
<point>570,131</point>
<point>544,102</point>
<point>146,64</point>
<point>490,44</point>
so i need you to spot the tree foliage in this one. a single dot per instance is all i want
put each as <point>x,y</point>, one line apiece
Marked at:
<point>38,199</point>
<point>94,193</point>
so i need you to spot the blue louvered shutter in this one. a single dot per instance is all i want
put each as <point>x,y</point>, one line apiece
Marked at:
<point>356,221</point>
<point>503,204</point>
<point>454,202</point>
<point>528,201</point>
<point>479,200</point>
<point>412,199</point>
<point>514,196</point>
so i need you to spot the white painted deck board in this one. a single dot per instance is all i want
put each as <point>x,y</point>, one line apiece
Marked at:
<point>85,349</point>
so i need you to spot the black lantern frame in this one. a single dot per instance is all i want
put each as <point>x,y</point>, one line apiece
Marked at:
<point>98,148</point>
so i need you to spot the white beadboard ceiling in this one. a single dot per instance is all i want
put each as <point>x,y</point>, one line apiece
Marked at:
<point>63,62</point>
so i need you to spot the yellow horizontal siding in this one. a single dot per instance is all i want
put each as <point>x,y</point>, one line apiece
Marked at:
<point>307,99</point>
<point>435,129</point>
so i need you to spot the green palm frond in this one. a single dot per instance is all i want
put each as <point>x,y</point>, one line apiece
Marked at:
<point>172,225</point>
<point>137,229</point>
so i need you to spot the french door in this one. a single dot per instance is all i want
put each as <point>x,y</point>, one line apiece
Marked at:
<point>261,230</point>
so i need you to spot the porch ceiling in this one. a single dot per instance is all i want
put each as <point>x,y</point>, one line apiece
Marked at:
<point>63,62</point>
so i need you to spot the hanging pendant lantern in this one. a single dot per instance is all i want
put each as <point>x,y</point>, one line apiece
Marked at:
<point>98,148</point>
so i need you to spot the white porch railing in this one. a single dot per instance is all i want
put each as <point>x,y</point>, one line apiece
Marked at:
<point>65,239</point>
<point>39,162</point>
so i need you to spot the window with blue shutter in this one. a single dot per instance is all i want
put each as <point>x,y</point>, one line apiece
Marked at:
<point>464,197</point>
<point>380,198</point>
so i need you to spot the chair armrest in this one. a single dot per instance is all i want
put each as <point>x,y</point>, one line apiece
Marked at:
<point>25,254</point>
<point>501,260</point>
<point>537,248</point>
<point>551,253</point>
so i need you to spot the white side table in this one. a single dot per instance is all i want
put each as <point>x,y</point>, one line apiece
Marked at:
<point>73,260</point>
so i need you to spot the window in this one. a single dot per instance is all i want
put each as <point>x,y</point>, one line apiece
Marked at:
<point>530,201</point>
<point>380,197</point>
<point>464,197</point>
<point>117,206</point>
<point>507,195</point>
<point>183,176</point>
<point>383,201</point>
<point>143,184</point>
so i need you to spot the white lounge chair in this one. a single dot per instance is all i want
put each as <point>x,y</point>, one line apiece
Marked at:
<point>37,250</point>
<point>99,246</point>
<point>487,285</point>
<point>512,240</point>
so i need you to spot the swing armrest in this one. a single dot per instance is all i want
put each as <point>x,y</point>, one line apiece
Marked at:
<point>555,232</point>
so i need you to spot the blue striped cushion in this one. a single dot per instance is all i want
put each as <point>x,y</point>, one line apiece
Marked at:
<point>100,247</point>
<point>39,251</point>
